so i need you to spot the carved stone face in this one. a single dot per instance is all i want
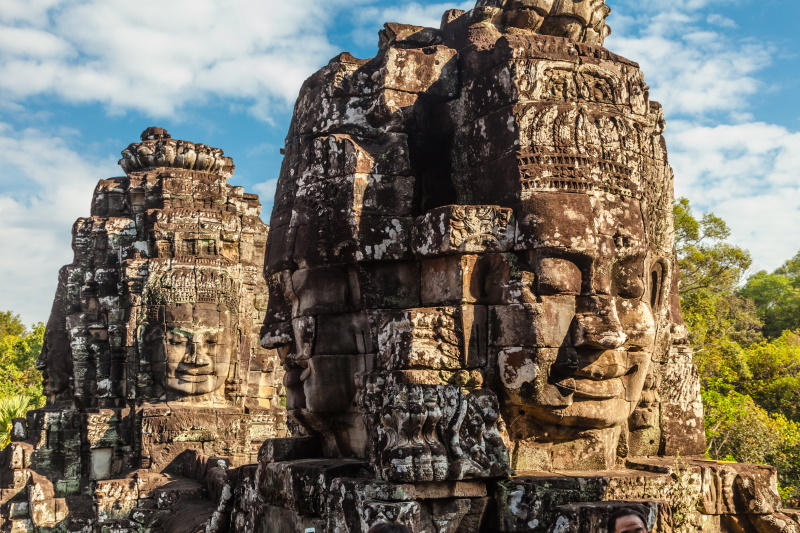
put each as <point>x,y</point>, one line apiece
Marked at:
<point>193,349</point>
<point>595,294</point>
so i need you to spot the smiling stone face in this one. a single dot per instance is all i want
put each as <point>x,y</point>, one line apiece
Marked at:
<point>193,349</point>
<point>597,292</point>
<point>190,338</point>
<point>499,242</point>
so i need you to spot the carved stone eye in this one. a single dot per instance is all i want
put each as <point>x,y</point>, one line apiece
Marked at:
<point>628,280</point>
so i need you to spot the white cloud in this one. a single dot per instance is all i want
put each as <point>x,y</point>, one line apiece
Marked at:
<point>743,170</point>
<point>47,185</point>
<point>720,20</point>
<point>747,174</point>
<point>691,68</point>
<point>155,56</point>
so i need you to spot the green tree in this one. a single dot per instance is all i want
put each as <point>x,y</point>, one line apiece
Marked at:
<point>774,383</point>
<point>737,429</point>
<point>19,350</point>
<point>777,297</point>
<point>721,323</point>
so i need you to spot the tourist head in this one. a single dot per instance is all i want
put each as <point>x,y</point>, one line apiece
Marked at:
<point>627,520</point>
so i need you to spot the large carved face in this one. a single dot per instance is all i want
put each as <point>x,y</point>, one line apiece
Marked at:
<point>193,348</point>
<point>596,293</point>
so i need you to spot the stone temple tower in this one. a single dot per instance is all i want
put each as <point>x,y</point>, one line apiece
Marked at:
<point>151,360</point>
<point>473,291</point>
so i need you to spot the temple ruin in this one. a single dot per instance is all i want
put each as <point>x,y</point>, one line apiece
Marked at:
<point>468,319</point>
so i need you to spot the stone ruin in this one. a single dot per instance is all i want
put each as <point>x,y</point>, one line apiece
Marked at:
<point>155,380</point>
<point>472,292</point>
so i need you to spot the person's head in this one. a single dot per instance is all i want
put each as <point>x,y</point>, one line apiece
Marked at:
<point>190,335</point>
<point>389,528</point>
<point>627,520</point>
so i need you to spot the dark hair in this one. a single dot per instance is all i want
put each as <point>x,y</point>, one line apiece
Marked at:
<point>625,511</point>
<point>389,528</point>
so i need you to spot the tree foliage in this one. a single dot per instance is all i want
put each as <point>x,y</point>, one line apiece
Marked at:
<point>707,261</point>
<point>774,382</point>
<point>721,323</point>
<point>19,350</point>
<point>777,297</point>
<point>745,348</point>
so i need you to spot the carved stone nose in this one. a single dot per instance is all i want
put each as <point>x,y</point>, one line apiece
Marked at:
<point>597,324</point>
<point>197,354</point>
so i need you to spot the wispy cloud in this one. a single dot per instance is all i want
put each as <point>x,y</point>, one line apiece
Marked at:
<point>692,68</point>
<point>725,161</point>
<point>48,186</point>
<point>747,174</point>
<point>155,57</point>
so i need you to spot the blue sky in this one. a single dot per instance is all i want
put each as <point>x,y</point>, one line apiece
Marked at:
<point>80,80</point>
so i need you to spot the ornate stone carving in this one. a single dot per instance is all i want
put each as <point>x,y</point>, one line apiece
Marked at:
<point>472,291</point>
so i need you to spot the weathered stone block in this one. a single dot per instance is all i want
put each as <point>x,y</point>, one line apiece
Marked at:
<point>116,498</point>
<point>681,407</point>
<point>21,525</point>
<point>330,387</point>
<point>340,155</point>
<point>431,71</point>
<point>18,510</point>
<point>289,449</point>
<point>388,285</point>
<point>406,35</point>
<point>422,338</point>
<point>464,229</point>
<point>303,485</point>
<point>446,338</point>
<point>343,334</point>
<point>529,503</point>
<point>325,290</point>
<point>531,325</point>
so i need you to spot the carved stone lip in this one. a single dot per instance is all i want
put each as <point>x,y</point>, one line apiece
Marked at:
<point>606,389</point>
<point>189,375</point>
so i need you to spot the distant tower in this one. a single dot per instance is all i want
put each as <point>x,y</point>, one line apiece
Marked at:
<point>151,358</point>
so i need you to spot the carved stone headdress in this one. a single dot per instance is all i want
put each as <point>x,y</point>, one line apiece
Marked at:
<point>196,281</point>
